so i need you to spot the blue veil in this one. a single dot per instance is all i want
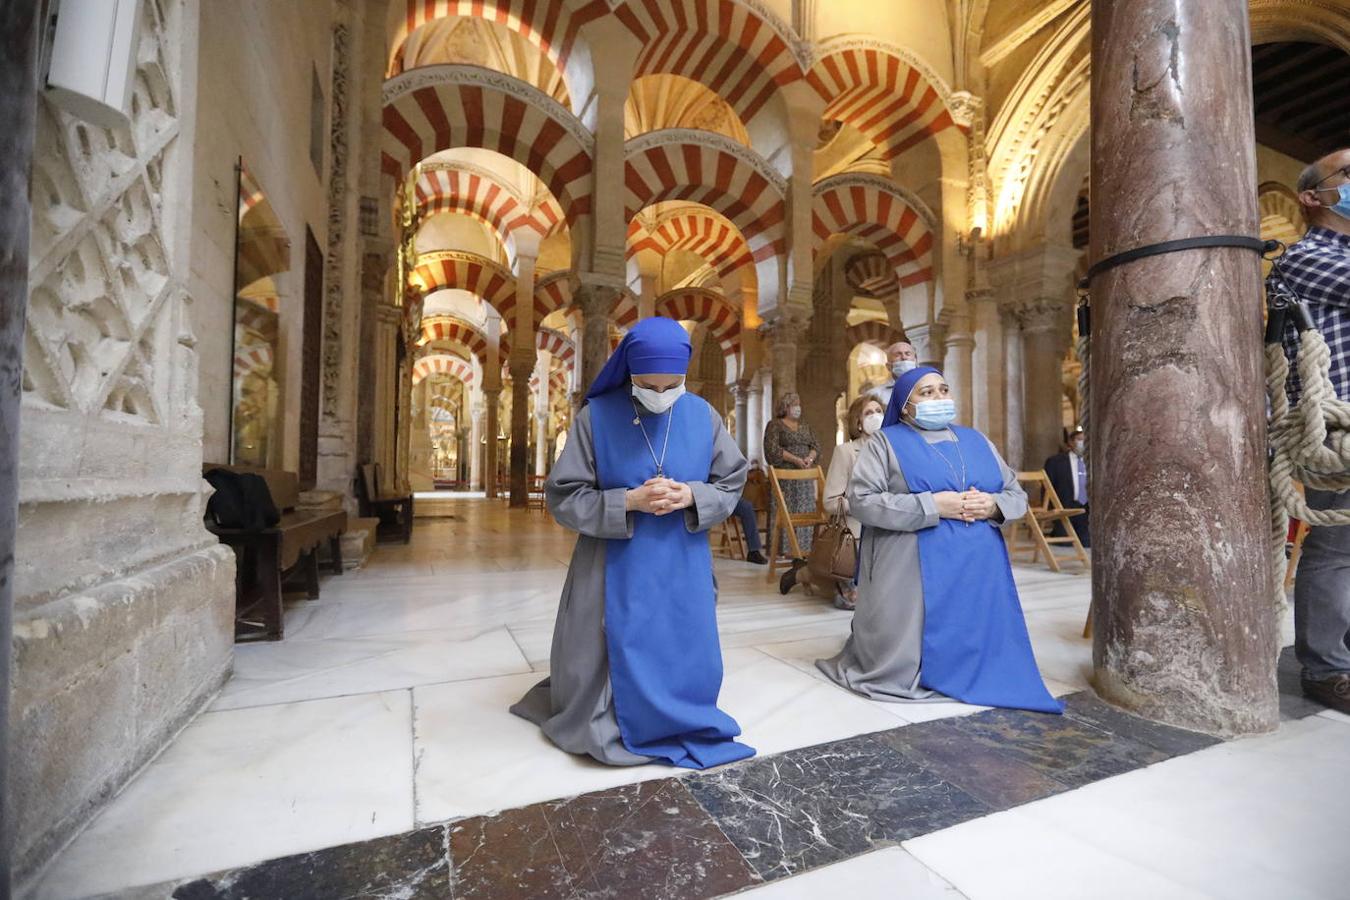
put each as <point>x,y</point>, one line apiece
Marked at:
<point>655,346</point>
<point>904,386</point>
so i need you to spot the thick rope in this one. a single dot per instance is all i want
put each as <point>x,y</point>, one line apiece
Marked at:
<point>1310,443</point>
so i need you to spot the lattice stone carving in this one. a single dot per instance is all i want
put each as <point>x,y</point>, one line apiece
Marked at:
<point>104,322</point>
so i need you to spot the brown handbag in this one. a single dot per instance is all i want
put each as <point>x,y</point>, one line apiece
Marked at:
<point>834,552</point>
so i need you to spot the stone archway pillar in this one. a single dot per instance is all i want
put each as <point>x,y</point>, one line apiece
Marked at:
<point>1185,625</point>
<point>741,391</point>
<point>1046,331</point>
<point>522,360</point>
<point>958,366</point>
<point>596,301</point>
<point>781,332</point>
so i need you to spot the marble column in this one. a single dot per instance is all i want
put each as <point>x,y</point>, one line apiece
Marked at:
<point>958,364</point>
<point>475,449</point>
<point>742,393</point>
<point>521,370</point>
<point>18,92</point>
<point>1012,389</point>
<point>384,445</point>
<point>780,332</point>
<point>597,303</point>
<point>1185,629</point>
<point>491,429</point>
<point>1046,332</point>
<point>541,442</point>
<point>928,341</point>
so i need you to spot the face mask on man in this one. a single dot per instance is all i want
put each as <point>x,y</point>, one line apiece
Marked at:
<point>901,366</point>
<point>1080,446</point>
<point>934,415</point>
<point>1342,206</point>
<point>658,401</point>
<point>871,423</point>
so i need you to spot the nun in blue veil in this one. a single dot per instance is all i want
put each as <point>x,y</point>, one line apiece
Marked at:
<point>938,614</point>
<point>636,665</point>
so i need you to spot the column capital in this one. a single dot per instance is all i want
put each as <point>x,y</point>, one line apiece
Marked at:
<point>965,107</point>
<point>521,368</point>
<point>1041,313</point>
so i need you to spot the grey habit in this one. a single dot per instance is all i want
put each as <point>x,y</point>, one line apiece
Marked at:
<point>574,705</point>
<point>882,656</point>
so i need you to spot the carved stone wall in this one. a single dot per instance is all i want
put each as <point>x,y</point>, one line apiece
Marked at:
<point>121,639</point>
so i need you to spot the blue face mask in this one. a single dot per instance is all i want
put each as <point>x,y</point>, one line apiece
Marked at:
<point>1342,206</point>
<point>901,366</point>
<point>933,415</point>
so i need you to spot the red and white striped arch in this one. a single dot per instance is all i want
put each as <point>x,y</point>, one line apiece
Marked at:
<point>555,291</point>
<point>552,25</point>
<point>678,164</point>
<point>880,212</point>
<point>263,252</point>
<point>871,274</point>
<point>710,308</point>
<point>456,330</point>
<point>732,48</point>
<point>435,108</point>
<point>251,359</point>
<point>699,231</point>
<point>890,99</point>
<point>877,333</point>
<point>558,344</point>
<point>445,269</point>
<point>442,189</point>
<point>443,364</point>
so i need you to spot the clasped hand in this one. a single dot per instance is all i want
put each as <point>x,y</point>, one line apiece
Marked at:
<point>968,506</point>
<point>659,496</point>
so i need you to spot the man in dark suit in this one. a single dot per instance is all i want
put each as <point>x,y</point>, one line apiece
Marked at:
<point>1069,476</point>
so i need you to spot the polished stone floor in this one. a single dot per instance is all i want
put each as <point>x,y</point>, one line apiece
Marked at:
<point>370,754</point>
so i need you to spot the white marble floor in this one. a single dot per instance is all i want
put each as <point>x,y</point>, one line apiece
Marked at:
<point>386,707</point>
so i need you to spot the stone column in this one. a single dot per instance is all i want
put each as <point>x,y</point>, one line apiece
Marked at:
<point>754,420</point>
<point>1185,631</point>
<point>492,397</point>
<point>388,319</point>
<point>960,347</point>
<point>780,332</point>
<point>1012,389</point>
<point>18,92</point>
<point>521,370</point>
<point>1046,332</point>
<point>541,442</point>
<point>475,449</point>
<point>741,391</point>
<point>928,341</point>
<point>596,301</point>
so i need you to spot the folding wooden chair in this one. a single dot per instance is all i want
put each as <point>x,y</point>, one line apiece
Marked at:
<point>784,519</point>
<point>534,494</point>
<point>731,538</point>
<point>1044,511</point>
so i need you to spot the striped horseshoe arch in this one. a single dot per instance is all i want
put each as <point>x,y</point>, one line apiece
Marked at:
<point>712,309</point>
<point>741,54</point>
<point>878,334</point>
<point>559,345</point>
<point>878,211</point>
<point>435,108</point>
<point>871,274</point>
<point>888,98</point>
<point>699,231</point>
<point>442,364</point>
<point>444,189</point>
<point>444,269</point>
<point>551,25</point>
<point>455,329</point>
<point>555,291</point>
<point>252,359</point>
<point>679,164</point>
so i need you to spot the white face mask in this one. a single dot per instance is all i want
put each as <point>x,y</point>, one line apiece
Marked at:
<point>794,412</point>
<point>1079,447</point>
<point>901,366</point>
<point>658,401</point>
<point>872,423</point>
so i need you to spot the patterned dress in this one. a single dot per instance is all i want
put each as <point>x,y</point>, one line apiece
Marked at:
<point>800,495</point>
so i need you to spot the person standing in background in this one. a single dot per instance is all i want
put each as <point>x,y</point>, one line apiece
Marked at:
<point>1068,475</point>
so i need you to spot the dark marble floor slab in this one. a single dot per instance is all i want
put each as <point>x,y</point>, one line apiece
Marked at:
<point>409,866</point>
<point>1063,748</point>
<point>809,807</point>
<point>644,840</point>
<point>1085,706</point>
<point>989,774</point>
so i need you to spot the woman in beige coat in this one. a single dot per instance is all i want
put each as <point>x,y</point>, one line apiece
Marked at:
<point>862,420</point>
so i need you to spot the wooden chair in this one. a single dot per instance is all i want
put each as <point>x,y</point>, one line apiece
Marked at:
<point>731,538</point>
<point>1291,570</point>
<point>1044,511</point>
<point>534,496</point>
<point>376,504</point>
<point>784,519</point>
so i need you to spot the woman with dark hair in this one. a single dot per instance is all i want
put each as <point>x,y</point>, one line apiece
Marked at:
<point>789,443</point>
<point>636,667</point>
<point>938,613</point>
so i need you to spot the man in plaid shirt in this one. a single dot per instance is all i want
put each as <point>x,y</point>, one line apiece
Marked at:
<point>1316,271</point>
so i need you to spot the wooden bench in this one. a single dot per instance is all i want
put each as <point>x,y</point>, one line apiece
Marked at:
<point>376,504</point>
<point>267,557</point>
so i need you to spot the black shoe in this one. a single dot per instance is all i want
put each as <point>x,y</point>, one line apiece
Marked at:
<point>759,559</point>
<point>788,580</point>
<point>1333,692</point>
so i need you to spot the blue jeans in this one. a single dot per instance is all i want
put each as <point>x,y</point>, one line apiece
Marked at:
<point>746,513</point>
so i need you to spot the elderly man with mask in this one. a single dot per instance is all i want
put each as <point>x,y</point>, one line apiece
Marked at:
<point>1317,271</point>
<point>900,358</point>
